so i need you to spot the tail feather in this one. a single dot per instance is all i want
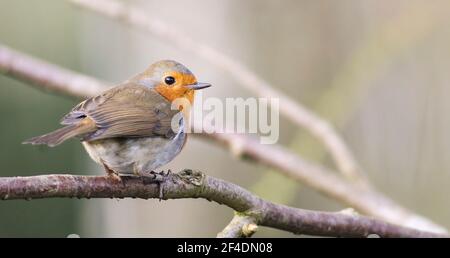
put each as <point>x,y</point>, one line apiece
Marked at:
<point>59,136</point>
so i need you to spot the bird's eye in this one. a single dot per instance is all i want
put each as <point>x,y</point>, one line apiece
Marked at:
<point>169,80</point>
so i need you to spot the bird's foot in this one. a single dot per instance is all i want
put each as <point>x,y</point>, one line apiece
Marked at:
<point>158,178</point>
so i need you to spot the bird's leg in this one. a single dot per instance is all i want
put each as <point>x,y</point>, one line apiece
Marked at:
<point>154,177</point>
<point>111,173</point>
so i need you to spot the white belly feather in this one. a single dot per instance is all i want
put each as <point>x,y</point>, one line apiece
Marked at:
<point>135,155</point>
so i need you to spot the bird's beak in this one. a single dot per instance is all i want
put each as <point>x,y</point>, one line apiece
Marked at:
<point>198,86</point>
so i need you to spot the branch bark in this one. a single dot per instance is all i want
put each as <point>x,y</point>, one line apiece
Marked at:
<point>365,199</point>
<point>251,209</point>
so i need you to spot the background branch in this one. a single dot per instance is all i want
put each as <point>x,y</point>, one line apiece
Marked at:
<point>44,75</point>
<point>193,184</point>
<point>365,199</point>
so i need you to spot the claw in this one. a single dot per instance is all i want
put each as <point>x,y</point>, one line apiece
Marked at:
<point>161,190</point>
<point>153,177</point>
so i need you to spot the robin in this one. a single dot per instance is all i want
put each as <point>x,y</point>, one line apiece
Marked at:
<point>128,128</point>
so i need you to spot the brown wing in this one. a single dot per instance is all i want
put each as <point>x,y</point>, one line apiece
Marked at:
<point>129,110</point>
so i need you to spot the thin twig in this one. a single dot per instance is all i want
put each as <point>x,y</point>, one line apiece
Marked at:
<point>240,226</point>
<point>366,200</point>
<point>296,112</point>
<point>194,184</point>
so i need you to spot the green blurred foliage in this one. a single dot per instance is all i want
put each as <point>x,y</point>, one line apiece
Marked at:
<point>46,29</point>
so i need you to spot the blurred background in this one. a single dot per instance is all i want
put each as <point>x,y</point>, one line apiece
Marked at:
<point>378,70</point>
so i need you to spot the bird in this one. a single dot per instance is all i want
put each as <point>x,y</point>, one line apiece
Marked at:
<point>128,129</point>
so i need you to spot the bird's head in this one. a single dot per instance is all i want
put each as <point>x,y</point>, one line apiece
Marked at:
<point>171,79</point>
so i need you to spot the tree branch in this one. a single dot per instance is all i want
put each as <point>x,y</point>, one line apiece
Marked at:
<point>366,200</point>
<point>240,226</point>
<point>251,209</point>
<point>294,111</point>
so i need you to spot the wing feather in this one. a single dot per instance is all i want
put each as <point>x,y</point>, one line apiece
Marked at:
<point>130,110</point>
